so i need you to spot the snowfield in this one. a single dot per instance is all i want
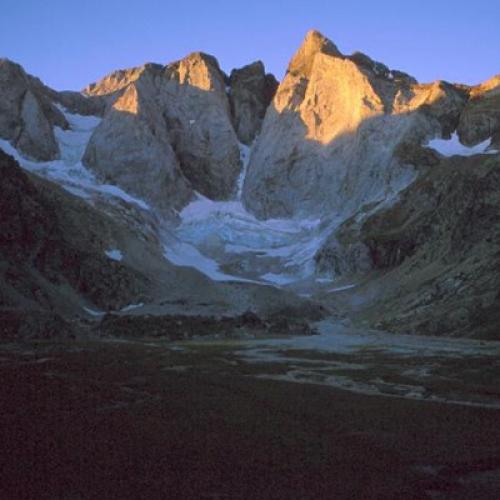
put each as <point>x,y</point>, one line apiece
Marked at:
<point>114,254</point>
<point>453,146</point>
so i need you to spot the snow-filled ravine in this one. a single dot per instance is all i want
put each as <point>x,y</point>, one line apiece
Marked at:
<point>68,170</point>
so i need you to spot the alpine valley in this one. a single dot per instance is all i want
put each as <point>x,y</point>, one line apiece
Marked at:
<point>338,229</point>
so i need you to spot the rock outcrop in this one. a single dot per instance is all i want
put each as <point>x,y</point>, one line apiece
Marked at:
<point>29,112</point>
<point>199,121</point>
<point>329,138</point>
<point>480,119</point>
<point>131,148</point>
<point>52,249</point>
<point>251,91</point>
<point>171,126</point>
<point>26,118</point>
<point>429,262</point>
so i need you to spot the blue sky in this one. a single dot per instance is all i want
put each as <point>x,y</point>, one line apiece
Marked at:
<point>69,44</point>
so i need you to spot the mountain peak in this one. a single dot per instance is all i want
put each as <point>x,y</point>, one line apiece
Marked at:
<point>314,43</point>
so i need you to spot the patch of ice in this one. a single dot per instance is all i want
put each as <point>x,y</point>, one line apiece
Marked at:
<point>279,279</point>
<point>183,254</point>
<point>453,146</point>
<point>131,307</point>
<point>94,312</point>
<point>114,254</point>
<point>341,288</point>
<point>117,192</point>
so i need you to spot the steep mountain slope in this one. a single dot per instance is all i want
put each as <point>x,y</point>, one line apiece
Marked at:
<point>53,253</point>
<point>251,91</point>
<point>429,263</point>
<point>330,139</point>
<point>174,124</point>
<point>29,112</point>
<point>65,263</point>
<point>346,171</point>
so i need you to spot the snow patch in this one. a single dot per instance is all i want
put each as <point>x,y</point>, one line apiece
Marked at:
<point>183,254</point>
<point>341,288</point>
<point>131,307</point>
<point>94,312</point>
<point>279,279</point>
<point>453,146</point>
<point>114,254</point>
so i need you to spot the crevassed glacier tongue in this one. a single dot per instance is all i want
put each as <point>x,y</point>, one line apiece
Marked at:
<point>224,241</point>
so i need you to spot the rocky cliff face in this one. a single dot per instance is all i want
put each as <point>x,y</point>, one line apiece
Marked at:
<point>480,119</point>
<point>29,112</point>
<point>330,138</point>
<point>27,118</point>
<point>168,127</point>
<point>251,91</point>
<point>131,148</point>
<point>167,131</point>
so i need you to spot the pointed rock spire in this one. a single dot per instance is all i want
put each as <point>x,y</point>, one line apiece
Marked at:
<point>314,43</point>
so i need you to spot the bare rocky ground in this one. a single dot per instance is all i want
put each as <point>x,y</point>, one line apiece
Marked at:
<point>145,419</point>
